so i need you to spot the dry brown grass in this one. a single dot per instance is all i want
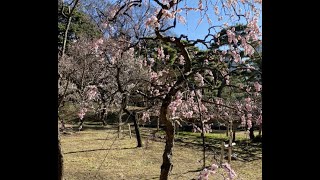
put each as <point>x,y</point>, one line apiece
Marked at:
<point>84,152</point>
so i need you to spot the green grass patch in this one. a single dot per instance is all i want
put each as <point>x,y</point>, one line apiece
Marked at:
<point>85,151</point>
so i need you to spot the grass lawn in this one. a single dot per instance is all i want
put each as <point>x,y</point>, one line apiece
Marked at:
<point>99,154</point>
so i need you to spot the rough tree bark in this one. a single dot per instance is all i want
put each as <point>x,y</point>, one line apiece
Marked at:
<point>234,133</point>
<point>60,160</point>
<point>227,131</point>
<point>203,146</point>
<point>119,122</point>
<point>230,143</point>
<point>260,129</point>
<point>103,113</point>
<point>164,115</point>
<point>220,89</point>
<point>123,101</point>
<point>136,126</point>
<point>137,130</point>
<point>158,124</point>
<point>167,154</point>
<point>251,134</point>
<point>81,124</point>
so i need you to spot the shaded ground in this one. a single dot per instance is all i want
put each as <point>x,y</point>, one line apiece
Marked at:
<point>99,154</point>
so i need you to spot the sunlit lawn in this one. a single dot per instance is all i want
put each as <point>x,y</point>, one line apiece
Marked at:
<point>99,154</point>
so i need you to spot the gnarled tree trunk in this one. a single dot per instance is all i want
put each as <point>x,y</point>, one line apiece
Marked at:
<point>158,124</point>
<point>251,133</point>
<point>227,130</point>
<point>60,160</point>
<point>234,132</point>
<point>260,129</point>
<point>136,128</point>
<point>167,154</point>
<point>81,124</point>
<point>103,114</point>
<point>119,122</point>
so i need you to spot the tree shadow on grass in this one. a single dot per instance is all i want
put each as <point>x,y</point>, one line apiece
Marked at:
<point>101,149</point>
<point>243,151</point>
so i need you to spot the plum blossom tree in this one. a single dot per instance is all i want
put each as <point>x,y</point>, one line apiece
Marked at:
<point>191,73</point>
<point>193,84</point>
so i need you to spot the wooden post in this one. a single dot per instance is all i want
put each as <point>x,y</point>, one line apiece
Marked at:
<point>222,153</point>
<point>129,131</point>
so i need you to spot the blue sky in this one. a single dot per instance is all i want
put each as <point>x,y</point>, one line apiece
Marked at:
<point>198,32</point>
